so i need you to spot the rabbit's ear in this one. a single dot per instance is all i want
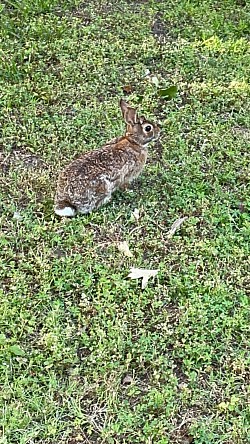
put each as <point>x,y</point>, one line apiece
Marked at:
<point>129,114</point>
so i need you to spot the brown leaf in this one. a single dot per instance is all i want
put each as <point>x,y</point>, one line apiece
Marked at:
<point>136,214</point>
<point>175,226</point>
<point>137,273</point>
<point>124,248</point>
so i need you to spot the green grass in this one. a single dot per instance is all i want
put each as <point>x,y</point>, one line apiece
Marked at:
<point>86,355</point>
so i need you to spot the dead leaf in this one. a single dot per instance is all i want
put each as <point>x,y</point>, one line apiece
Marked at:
<point>137,273</point>
<point>17,215</point>
<point>155,81</point>
<point>136,214</point>
<point>147,73</point>
<point>127,380</point>
<point>124,248</point>
<point>175,226</point>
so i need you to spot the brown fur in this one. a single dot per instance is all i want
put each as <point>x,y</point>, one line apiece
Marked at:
<point>88,181</point>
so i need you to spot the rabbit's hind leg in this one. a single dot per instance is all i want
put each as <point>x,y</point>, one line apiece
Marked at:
<point>102,200</point>
<point>102,191</point>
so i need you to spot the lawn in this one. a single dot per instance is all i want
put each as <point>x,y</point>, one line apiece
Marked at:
<point>86,355</point>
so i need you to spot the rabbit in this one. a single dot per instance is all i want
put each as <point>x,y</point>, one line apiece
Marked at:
<point>89,181</point>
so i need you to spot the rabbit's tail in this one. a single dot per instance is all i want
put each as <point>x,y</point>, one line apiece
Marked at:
<point>64,208</point>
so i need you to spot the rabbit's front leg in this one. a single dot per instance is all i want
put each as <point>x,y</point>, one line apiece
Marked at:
<point>124,186</point>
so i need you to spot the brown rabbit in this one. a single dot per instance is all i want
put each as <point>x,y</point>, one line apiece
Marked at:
<point>88,181</point>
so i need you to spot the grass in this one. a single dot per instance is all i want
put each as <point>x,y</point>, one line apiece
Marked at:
<point>86,355</point>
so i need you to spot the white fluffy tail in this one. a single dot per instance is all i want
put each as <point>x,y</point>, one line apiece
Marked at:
<point>65,212</point>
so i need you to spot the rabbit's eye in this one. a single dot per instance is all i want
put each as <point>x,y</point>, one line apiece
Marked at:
<point>148,128</point>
